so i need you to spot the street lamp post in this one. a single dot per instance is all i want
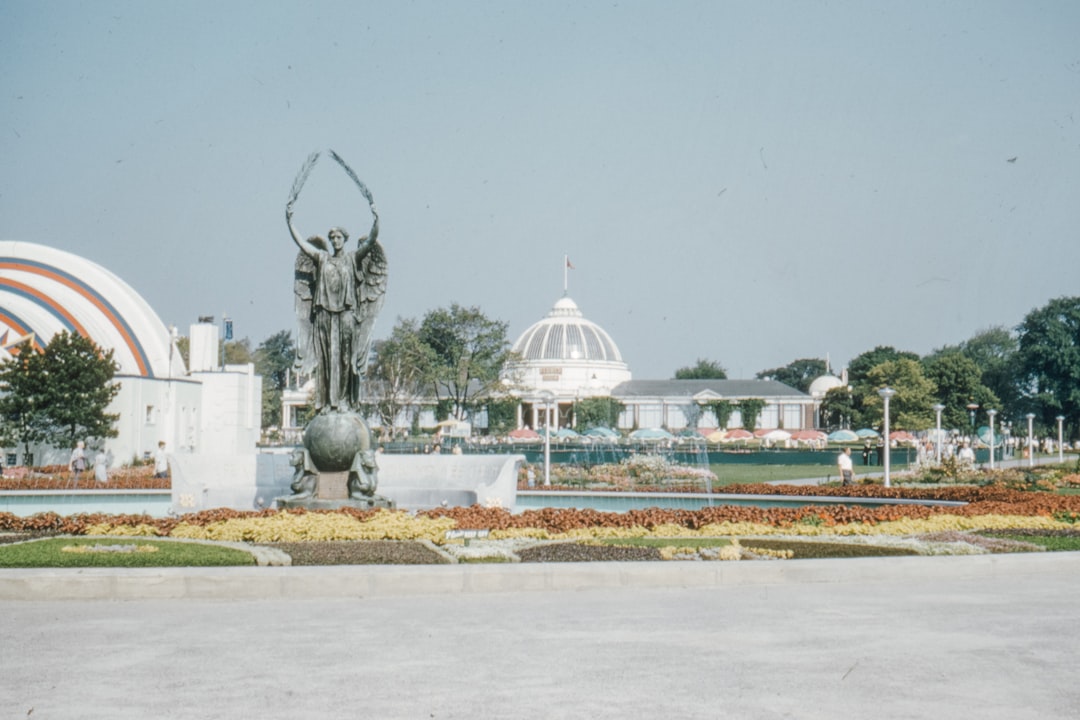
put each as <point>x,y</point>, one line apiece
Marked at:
<point>547,396</point>
<point>972,407</point>
<point>990,414</point>
<point>1061,437</point>
<point>1031,440</point>
<point>886,393</point>
<point>937,450</point>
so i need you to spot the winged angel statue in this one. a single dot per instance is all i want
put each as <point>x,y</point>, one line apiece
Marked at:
<point>338,296</point>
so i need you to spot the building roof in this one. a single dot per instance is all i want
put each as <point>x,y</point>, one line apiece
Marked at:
<point>565,334</point>
<point>722,389</point>
<point>44,291</point>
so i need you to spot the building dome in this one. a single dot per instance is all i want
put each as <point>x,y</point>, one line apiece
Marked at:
<point>824,384</point>
<point>565,334</point>
<point>568,354</point>
<point>44,291</point>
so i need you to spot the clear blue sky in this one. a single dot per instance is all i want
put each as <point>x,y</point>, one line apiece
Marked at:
<point>749,182</point>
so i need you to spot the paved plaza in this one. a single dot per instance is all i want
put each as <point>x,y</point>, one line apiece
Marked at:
<point>987,637</point>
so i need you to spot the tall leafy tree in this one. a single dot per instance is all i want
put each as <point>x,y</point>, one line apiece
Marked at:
<point>470,351</point>
<point>838,409</point>
<point>597,412</point>
<point>703,369</point>
<point>959,383</point>
<point>797,374</point>
<point>273,359</point>
<point>23,400</point>
<point>910,407</point>
<point>401,371</point>
<point>1050,361</point>
<point>78,388</point>
<point>996,352</point>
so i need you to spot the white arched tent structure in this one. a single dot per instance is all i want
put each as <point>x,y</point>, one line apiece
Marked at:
<point>44,291</point>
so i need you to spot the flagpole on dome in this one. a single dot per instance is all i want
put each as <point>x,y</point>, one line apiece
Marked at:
<point>567,267</point>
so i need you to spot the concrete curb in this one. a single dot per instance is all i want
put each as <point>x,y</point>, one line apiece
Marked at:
<point>355,581</point>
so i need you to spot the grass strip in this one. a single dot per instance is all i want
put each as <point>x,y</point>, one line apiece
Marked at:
<point>116,553</point>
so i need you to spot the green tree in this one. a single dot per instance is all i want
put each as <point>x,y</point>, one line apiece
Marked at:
<point>273,359</point>
<point>996,353</point>
<point>838,409</point>
<point>401,371</point>
<point>722,410</point>
<point>61,395</point>
<point>470,352</point>
<point>237,352</point>
<point>797,374</point>
<point>594,412</point>
<point>703,370</point>
<point>751,408</point>
<point>1050,361</point>
<point>910,407</point>
<point>23,405</point>
<point>959,383</point>
<point>502,415</point>
<point>859,368</point>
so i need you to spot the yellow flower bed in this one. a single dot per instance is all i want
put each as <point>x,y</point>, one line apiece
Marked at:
<point>140,530</point>
<point>292,527</point>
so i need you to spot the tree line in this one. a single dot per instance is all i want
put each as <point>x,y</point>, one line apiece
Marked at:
<point>457,355</point>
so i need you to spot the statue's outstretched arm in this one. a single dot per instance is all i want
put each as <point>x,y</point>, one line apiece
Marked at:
<point>298,185</point>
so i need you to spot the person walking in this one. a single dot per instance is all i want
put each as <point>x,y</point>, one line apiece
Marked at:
<point>77,463</point>
<point>843,462</point>
<point>101,466</point>
<point>161,462</point>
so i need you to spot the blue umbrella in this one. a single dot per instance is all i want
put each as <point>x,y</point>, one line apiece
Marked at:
<point>602,432</point>
<point>867,433</point>
<point>566,434</point>
<point>651,434</point>
<point>843,436</point>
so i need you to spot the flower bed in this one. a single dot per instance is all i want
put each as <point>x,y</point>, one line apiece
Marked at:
<point>991,507</point>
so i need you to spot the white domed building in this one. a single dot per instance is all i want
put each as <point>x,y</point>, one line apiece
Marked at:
<point>564,358</point>
<point>44,291</point>
<point>567,355</point>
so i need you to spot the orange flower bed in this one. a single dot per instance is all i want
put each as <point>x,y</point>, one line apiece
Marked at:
<point>990,500</point>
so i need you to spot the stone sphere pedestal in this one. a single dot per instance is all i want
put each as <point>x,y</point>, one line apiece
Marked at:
<point>337,468</point>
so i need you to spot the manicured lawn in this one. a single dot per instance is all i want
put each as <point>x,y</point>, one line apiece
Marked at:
<point>1052,542</point>
<point>109,552</point>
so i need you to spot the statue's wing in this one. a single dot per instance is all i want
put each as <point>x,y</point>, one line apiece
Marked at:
<point>370,292</point>
<point>304,290</point>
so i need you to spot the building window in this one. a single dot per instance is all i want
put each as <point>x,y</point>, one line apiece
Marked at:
<point>149,414</point>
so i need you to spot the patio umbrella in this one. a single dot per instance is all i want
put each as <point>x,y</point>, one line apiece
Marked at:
<point>601,432</point>
<point>523,434</point>
<point>843,436</point>
<point>808,435</point>
<point>901,436</point>
<point>567,434</point>
<point>651,434</point>
<point>716,436</point>
<point>739,434</point>
<point>776,435</point>
<point>867,433</point>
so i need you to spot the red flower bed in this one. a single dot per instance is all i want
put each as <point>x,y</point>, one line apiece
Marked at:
<point>991,500</point>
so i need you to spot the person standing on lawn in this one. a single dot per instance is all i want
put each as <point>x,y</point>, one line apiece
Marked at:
<point>843,462</point>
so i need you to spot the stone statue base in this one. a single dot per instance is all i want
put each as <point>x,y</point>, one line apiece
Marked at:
<point>373,503</point>
<point>336,467</point>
